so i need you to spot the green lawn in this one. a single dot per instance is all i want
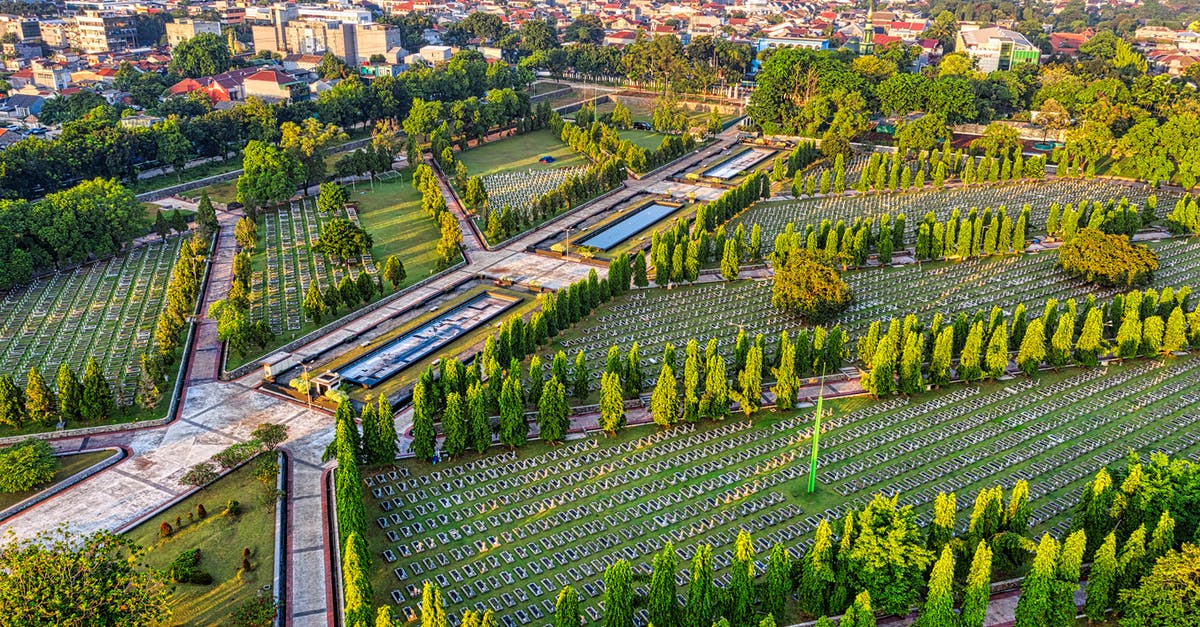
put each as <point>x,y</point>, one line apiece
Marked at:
<point>393,216</point>
<point>221,540</point>
<point>70,465</point>
<point>646,139</point>
<point>217,192</point>
<point>520,152</point>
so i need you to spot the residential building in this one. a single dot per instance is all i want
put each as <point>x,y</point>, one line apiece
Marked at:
<point>274,85</point>
<point>104,31</point>
<point>25,29</point>
<point>183,30</point>
<point>996,48</point>
<point>50,75</point>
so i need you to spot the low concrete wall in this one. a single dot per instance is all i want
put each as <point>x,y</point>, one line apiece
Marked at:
<point>119,454</point>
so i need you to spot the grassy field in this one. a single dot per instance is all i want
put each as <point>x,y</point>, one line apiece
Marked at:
<point>70,465</point>
<point>646,139</point>
<point>520,152</point>
<point>222,540</point>
<point>391,213</point>
<point>551,515</point>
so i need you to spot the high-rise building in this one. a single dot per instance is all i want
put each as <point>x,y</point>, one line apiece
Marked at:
<point>996,48</point>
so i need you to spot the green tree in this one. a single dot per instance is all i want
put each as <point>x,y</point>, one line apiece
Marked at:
<point>778,582</point>
<point>27,465</point>
<point>59,578</point>
<point>1168,595</point>
<point>481,427</point>
<point>996,360</point>
<point>356,581</point>
<point>741,593</point>
<point>786,381</point>
<point>314,305</point>
<point>661,603</point>
<point>331,198</point>
<point>12,402</point>
<point>566,609</point>
<point>552,411</point>
<point>1102,579</point>
<point>816,573</point>
<point>1035,607</point>
<point>424,435</point>
<point>269,175</point>
<point>580,376</point>
<point>40,404</point>
<point>860,613</point>
<point>978,590</point>
<point>205,54</point>
<point>702,594</point>
<point>454,424</point>
<point>309,143</point>
<point>393,271</point>
<point>941,528</point>
<point>1063,608</point>
<point>433,609</point>
<point>514,429</point>
<point>1091,339</point>
<point>750,381</point>
<point>664,402</point>
<point>1033,348</point>
<point>97,400</point>
<point>729,261</point>
<point>938,610</point>
<point>612,408</point>
<point>969,367</point>
<point>618,595</point>
<point>70,395</point>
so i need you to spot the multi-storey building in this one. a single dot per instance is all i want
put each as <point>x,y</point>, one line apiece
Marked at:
<point>996,48</point>
<point>104,31</point>
<point>183,30</point>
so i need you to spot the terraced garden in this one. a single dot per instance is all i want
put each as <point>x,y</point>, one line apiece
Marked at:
<point>105,310</point>
<point>653,317</point>
<point>505,531</point>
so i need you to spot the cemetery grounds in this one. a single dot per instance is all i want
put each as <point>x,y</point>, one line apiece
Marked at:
<point>105,309</point>
<point>284,263</point>
<point>221,539</point>
<point>653,317</point>
<point>506,530</point>
<point>512,173</point>
<point>773,216</point>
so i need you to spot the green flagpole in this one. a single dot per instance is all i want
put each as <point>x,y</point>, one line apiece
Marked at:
<point>816,440</point>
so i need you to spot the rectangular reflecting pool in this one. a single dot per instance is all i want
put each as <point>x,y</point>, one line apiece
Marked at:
<point>738,163</point>
<point>620,230</point>
<point>402,352</point>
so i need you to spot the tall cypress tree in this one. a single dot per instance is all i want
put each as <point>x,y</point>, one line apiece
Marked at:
<point>661,604</point>
<point>612,407</point>
<point>454,423</point>
<point>938,610</point>
<point>702,594</point>
<point>941,528</point>
<point>1091,339</point>
<point>816,574</point>
<point>579,377</point>
<point>1102,579</point>
<point>433,610</point>
<point>70,394</point>
<point>1069,562</point>
<point>750,381</point>
<point>741,586</point>
<point>356,581</point>
<point>424,435</point>
<point>1033,348</point>
<point>1034,609</point>
<point>969,363</point>
<point>1131,562</point>
<point>552,412</point>
<point>514,430</point>
<point>664,402</point>
<point>481,426</point>
<point>978,590</point>
<point>97,401</point>
<point>996,360</point>
<point>371,435</point>
<point>40,404</point>
<point>566,609</point>
<point>618,595</point>
<point>348,504</point>
<point>778,582</point>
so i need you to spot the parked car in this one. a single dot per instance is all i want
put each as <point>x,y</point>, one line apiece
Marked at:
<point>641,126</point>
